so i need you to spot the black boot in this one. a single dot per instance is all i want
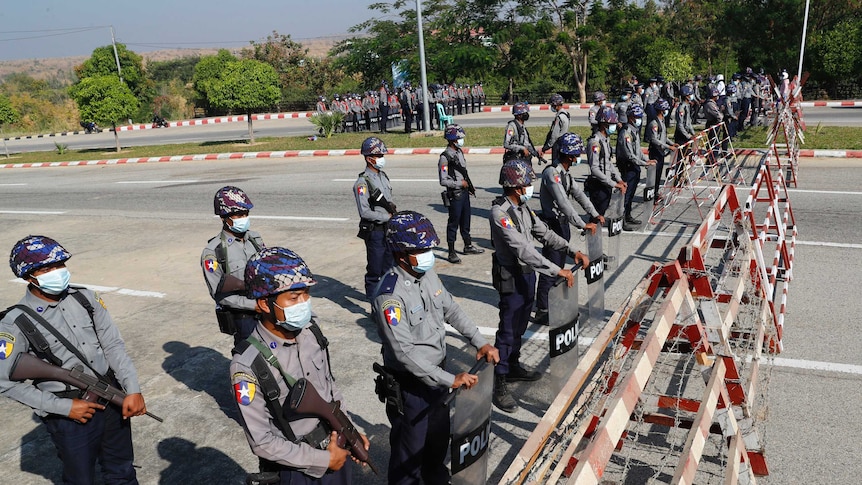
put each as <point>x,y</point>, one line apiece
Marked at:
<point>518,373</point>
<point>453,256</point>
<point>470,249</point>
<point>502,398</point>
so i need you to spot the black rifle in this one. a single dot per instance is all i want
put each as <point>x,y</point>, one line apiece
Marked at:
<point>27,366</point>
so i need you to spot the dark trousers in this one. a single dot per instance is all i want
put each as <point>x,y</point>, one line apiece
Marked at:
<point>384,118</point>
<point>419,119</point>
<point>745,107</point>
<point>515,311</point>
<point>106,438</point>
<point>599,193</point>
<point>631,177</point>
<point>408,121</point>
<point>245,324</point>
<point>459,217</point>
<point>555,256</point>
<point>419,439</point>
<point>658,156</point>
<point>379,259</point>
<point>344,476</point>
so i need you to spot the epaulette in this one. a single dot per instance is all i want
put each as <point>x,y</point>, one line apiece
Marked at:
<point>499,200</point>
<point>387,284</point>
<point>213,238</point>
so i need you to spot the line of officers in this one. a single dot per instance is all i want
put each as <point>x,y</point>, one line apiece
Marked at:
<point>377,110</point>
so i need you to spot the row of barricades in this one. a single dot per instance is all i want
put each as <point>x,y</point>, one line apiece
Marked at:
<point>673,387</point>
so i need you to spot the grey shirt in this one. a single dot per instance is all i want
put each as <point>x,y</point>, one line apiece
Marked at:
<point>599,159</point>
<point>365,184</point>
<point>514,239</point>
<point>557,184</point>
<point>656,135</point>
<point>712,112</point>
<point>559,126</point>
<point>239,250</point>
<point>301,357</point>
<point>629,147</point>
<point>651,94</point>
<point>517,138</point>
<point>449,177</point>
<point>411,315</point>
<point>682,117</point>
<point>98,340</point>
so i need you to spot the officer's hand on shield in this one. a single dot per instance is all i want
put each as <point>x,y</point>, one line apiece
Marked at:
<point>567,274</point>
<point>337,454</point>
<point>621,185</point>
<point>651,162</point>
<point>581,258</point>
<point>590,226</point>
<point>490,353</point>
<point>465,379</point>
<point>601,220</point>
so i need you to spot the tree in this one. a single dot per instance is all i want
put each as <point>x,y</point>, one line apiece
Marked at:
<point>103,63</point>
<point>8,115</point>
<point>246,85</point>
<point>207,71</point>
<point>105,100</point>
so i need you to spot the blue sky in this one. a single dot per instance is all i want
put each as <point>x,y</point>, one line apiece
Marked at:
<point>146,25</point>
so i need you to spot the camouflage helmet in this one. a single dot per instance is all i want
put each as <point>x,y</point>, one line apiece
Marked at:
<point>598,96</point>
<point>661,104</point>
<point>454,132</point>
<point>516,173</point>
<point>407,230</point>
<point>373,146</point>
<point>556,99</point>
<point>520,108</point>
<point>635,111</point>
<point>730,89</point>
<point>570,144</point>
<point>713,92</point>
<point>34,252</point>
<point>607,115</point>
<point>230,200</point>
<point>275,270</point>
<point>686,90</point>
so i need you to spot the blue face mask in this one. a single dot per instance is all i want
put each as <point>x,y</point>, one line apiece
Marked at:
<point>240,225</point>
<point>379,163</point>
<point>612,129</point>
<point>424,262</point>
<point>525,197</point>
<point>54,282</point>
<point>638,122</point>
<point>297,316</point>
<point>624,97</point>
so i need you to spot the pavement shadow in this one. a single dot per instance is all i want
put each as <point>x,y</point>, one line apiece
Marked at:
<point>37,451</point>
<point>478,290</point>
<point>190,464</point>
<point>186,364</point>
<point>379,452</point>
<point>347,297</point>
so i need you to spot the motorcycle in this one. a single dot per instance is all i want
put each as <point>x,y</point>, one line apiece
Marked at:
<point>159,122</point>
<point>90,127</point>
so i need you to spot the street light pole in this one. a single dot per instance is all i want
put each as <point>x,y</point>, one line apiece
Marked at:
<point>426,119</point>
<point>802,49</point>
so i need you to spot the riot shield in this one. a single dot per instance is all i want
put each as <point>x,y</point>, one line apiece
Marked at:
<point>595,278</point>
<point>614,219</point>
<point>649,190</point>
<point>471,428</point>
<point>563,313</point>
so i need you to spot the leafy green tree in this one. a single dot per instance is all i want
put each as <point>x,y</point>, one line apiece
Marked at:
<point>246,86</point>
<point>103,63</point>
<point>8,115</point>
<point>207,71</point>
<point>104,100</point>
<point>182,69</point>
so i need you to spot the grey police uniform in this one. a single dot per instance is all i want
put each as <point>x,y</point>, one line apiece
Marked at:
<point>559,126</point>
<point>656,135</point>
<point>712,113</point>
<point>98,340</point>
<point>411,315</point>
<point>591,116</point>
<point>237,252</point>
<point>603,174</point>
<point>516,139</point>
<point>682,117</point>
<point>299,358</point>
<point>365,184</point>
<point>557,185</point>
<point>372,225</point>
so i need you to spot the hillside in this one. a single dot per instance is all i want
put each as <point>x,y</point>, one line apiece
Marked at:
<point>62,66</point>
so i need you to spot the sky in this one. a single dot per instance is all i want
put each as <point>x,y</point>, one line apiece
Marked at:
<point>58,28</point>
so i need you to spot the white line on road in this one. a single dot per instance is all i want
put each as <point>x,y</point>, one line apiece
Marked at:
<point>33,212</point>
<point>110,289</point>
<point>829,244</point>
<point>11,185</point>
<point>391,180</point>
<point>157,182</point>
<point>302,218</point>
<point>836,192</point>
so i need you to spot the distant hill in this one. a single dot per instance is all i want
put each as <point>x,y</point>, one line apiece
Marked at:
<point>62,66</point>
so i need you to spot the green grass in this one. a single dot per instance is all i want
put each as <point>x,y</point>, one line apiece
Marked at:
<point>822,137</point>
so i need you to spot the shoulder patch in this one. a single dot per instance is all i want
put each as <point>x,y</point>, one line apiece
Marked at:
<point>210,265</point>
<point>557,178</point>
<point>506,222</point>
<point>392,311</point>
<point>361,189</point>
<point>510,132</point>
<point>244,391</point>
<point>7,343</point>
<point>595,149</point>
<point>443,168</point>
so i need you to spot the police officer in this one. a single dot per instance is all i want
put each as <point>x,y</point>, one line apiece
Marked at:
<point>604,176</point>
<point>412,308</point>
<point>374,201</point>
<point>452,170</point>
<point>516,141</point>
<point>630,159</point>
<point>383,106</point>
<point>285,345</point>
<point>682,117</point>
<point>622,105</point>
<point>71,328</point>
<point>514,227</point>
<point>559,126</point>
<point>407,103</point>
<point>714,117</point>
<point>659,146</point>
<point>598,104</point>
<point>223,262</point>
<point>651,95</point>
<point>558,212</point>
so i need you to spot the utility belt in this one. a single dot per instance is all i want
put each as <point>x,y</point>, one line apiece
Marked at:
<point>366,227</point>
<point>227,319</point>
<point>449,195</point>
<point>503,277</point>
<point>389,383</point>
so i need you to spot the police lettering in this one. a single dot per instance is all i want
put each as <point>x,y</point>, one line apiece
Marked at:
<point>649,194</point>
<point>470,447</point>
<point>595,270</point>
<point>564,338</point>
<point>615,226</point>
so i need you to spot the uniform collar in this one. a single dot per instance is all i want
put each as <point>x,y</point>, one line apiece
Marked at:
<point>230,237</point>
<point>39,304</point>
<point>406,278</point>
<point>272,340</point>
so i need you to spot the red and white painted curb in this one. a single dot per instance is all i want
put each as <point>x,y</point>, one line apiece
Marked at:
<point>341,153</point>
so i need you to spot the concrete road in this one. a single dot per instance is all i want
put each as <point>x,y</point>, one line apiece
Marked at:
<point>539,121</point>
<point>137,232</point>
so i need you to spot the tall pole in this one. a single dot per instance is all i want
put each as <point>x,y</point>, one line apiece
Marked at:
<point>426,119</point>
<point>802,48</point>
<point>116,56</point>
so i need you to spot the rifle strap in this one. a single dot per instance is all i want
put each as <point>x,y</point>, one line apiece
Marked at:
<point>270,392</point>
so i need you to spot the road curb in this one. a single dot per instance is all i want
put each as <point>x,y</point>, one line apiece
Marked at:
<point>352,152</point>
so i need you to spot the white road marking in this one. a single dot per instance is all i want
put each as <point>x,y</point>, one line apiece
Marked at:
<point>835,192</point>
<point>11,185</point>
<point>391,180</point>
<point>829,244</point>
<point>302,218</point>
<point>157,182</point>
<point>110,289</point>
<point>33,212</point>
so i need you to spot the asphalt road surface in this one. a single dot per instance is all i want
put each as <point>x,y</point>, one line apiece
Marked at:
<point>538,122</point>
<point>136,231</point>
